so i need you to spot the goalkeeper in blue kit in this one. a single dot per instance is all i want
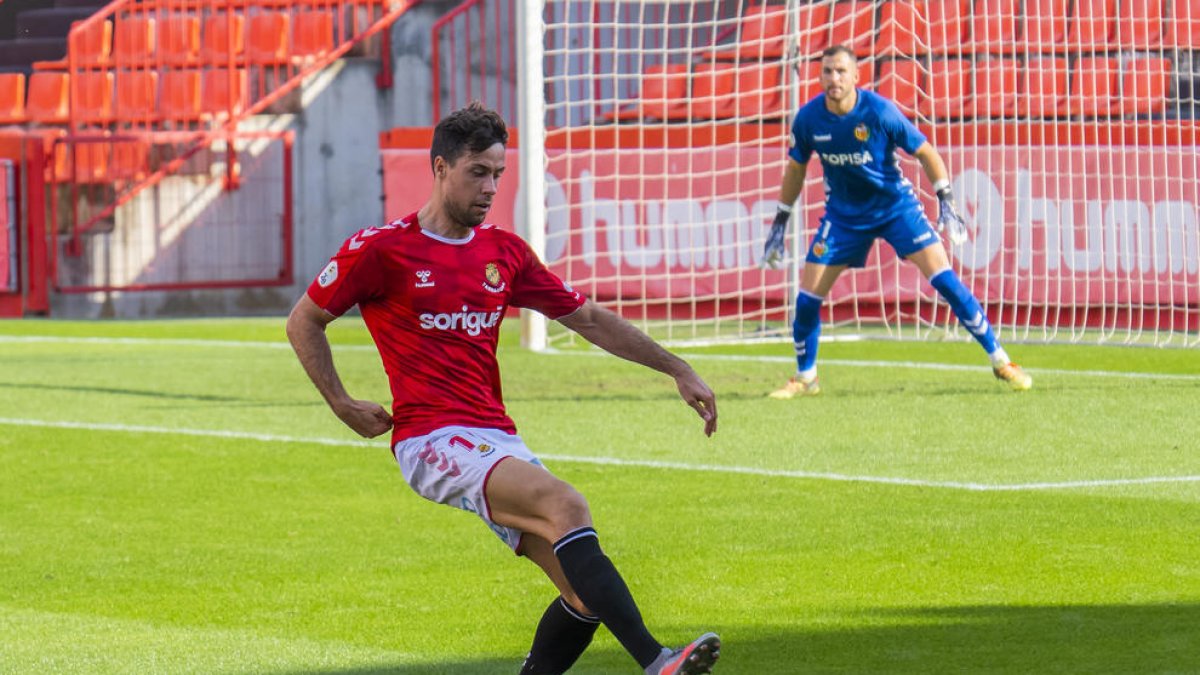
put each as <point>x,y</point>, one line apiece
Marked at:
<point>855,133</point>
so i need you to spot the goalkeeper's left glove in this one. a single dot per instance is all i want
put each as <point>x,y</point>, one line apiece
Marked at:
<point>949,221</point>
<point>774,251</point>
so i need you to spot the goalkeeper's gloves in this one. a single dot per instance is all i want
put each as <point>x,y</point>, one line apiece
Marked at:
<point>774,251</point>
<point>949,220</point>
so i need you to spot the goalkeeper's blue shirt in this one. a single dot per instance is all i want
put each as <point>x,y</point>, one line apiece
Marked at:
<point>863,183</point>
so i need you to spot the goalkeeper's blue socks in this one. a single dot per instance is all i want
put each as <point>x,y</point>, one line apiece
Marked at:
<point>598,584</point>
<point>562,635</point>
<point>806,333</point>
<point>969,312</point>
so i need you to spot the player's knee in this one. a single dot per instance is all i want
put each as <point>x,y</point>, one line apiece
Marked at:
<point>566,508</point>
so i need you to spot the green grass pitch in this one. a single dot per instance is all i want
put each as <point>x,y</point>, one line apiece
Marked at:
<point>175,498</point>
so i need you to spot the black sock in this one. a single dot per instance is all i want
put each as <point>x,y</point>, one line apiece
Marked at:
<point>600,587</point>
<point>562,635</point>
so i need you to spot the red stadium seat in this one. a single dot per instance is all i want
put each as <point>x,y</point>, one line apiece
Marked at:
<point>128,159</point>
<point>179,39</point>
<point>1092,25</point>
<point>662,86</point>
<point>762,29</point>
<point>1093,86</point>
<point>949,27</point>
<point>267,40</point>
<point>221,95</point>
<point>1144,86</point>
<point>994,26</point>
<point>759,93</point>
<point>949,89</point>
<point>133,40</point>
<point>995,90</point>
<point>853,25</point>
<point>1183,25</point>
<point>712,87</point>
<point>137,96</point>
<point>312,33</point>
<point>48,102</point>
<point>812,29</point>
<point>180,95</point>
<point>93,92</point>
<point>1139,25</point>
<point>903,29</point>
<point>903,82</point>
<point>223,38</point>
<point>1046,26</point>
<point>1044,94</point>
<point>810,80</point>
<point>12,98</point>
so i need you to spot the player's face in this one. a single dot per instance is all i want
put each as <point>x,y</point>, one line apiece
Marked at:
<point>839,74</point>
<point>469,185</point>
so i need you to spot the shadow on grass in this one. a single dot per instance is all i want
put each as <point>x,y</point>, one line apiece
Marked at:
<point>147,393</point>
<point>1160,638</point>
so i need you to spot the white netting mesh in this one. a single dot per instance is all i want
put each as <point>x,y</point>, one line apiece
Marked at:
<point>1068,126</point>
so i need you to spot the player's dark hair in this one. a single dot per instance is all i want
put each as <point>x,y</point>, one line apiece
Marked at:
<point>473,129</point>
<point>839,49</point>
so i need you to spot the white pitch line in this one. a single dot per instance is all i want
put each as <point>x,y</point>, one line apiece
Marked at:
<point>614,461</point>
<point>917,365</point>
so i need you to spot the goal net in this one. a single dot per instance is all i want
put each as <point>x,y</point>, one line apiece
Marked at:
<point>1068,127</point>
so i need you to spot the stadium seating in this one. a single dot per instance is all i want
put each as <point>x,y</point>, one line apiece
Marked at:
<point>853,25</point>
<point>179,97</point>
<point>903,82</point>
<point>1091,25</point>
<point>1139,25</point>
<point>1144,86</point>
<point>759,93</point>
<point>662,87</point>
<point>1093,86</point>
<point>1046,25</point>
<point>179,39</point>
<point>223,38</point>
<point>712,87</point>
<point>995,88</point>
<point>761,35</point>
<point>47,101</point>
<point>903,29</point>
<point>949,89</point>
<point>12,98</point>
<point>812,29</point>
<point>221,95</point>
<point>994,27</point>
<point>1042,88</point>
<point>267,38</point>
<point>91,42</point>
<point>133,40</point>
<point>949,26</point>
<point>93,96</point>
<point>1183,26</point>
<point>312,33</point>
<point>137,97</point>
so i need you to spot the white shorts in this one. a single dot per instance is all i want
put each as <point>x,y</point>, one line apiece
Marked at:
<point>452,465</point>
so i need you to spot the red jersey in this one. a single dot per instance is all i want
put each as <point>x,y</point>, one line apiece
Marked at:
<point>434,307</point>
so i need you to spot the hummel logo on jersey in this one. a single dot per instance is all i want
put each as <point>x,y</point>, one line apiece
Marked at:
<point>472,322</point>
<point>424,275</point>
<point>852,158</point>
<point>356,243</point>
<point>822,138</point>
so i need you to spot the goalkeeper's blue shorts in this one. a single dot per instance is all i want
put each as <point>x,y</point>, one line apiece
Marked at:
<point>836,244</point>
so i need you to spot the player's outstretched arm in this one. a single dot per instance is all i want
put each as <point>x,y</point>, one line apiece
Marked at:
<point>306,331</point>
<point>615,335</point>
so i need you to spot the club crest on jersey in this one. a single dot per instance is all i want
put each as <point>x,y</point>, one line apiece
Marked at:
<point>493,282</point>
<point>862,133</point>
<point>328,275</point>
<point>423,276</point>
<point>820,248</point>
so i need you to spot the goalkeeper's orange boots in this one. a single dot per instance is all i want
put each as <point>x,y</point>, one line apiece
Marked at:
<point>1014,376</point>
<point>795,388</point>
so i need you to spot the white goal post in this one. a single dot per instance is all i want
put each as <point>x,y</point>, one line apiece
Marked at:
<point>653,137</point>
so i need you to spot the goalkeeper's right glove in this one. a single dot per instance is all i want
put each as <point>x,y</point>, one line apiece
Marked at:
<point>949,220</point>
<point>774,251</point>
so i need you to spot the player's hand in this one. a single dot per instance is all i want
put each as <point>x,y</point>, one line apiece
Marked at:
<point>367,418</point>
<point>696,393</point>
<point>949,220</point>
<point>775,251</point>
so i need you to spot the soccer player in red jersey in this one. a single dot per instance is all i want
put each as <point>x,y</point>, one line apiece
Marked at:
<point>433,288</point>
